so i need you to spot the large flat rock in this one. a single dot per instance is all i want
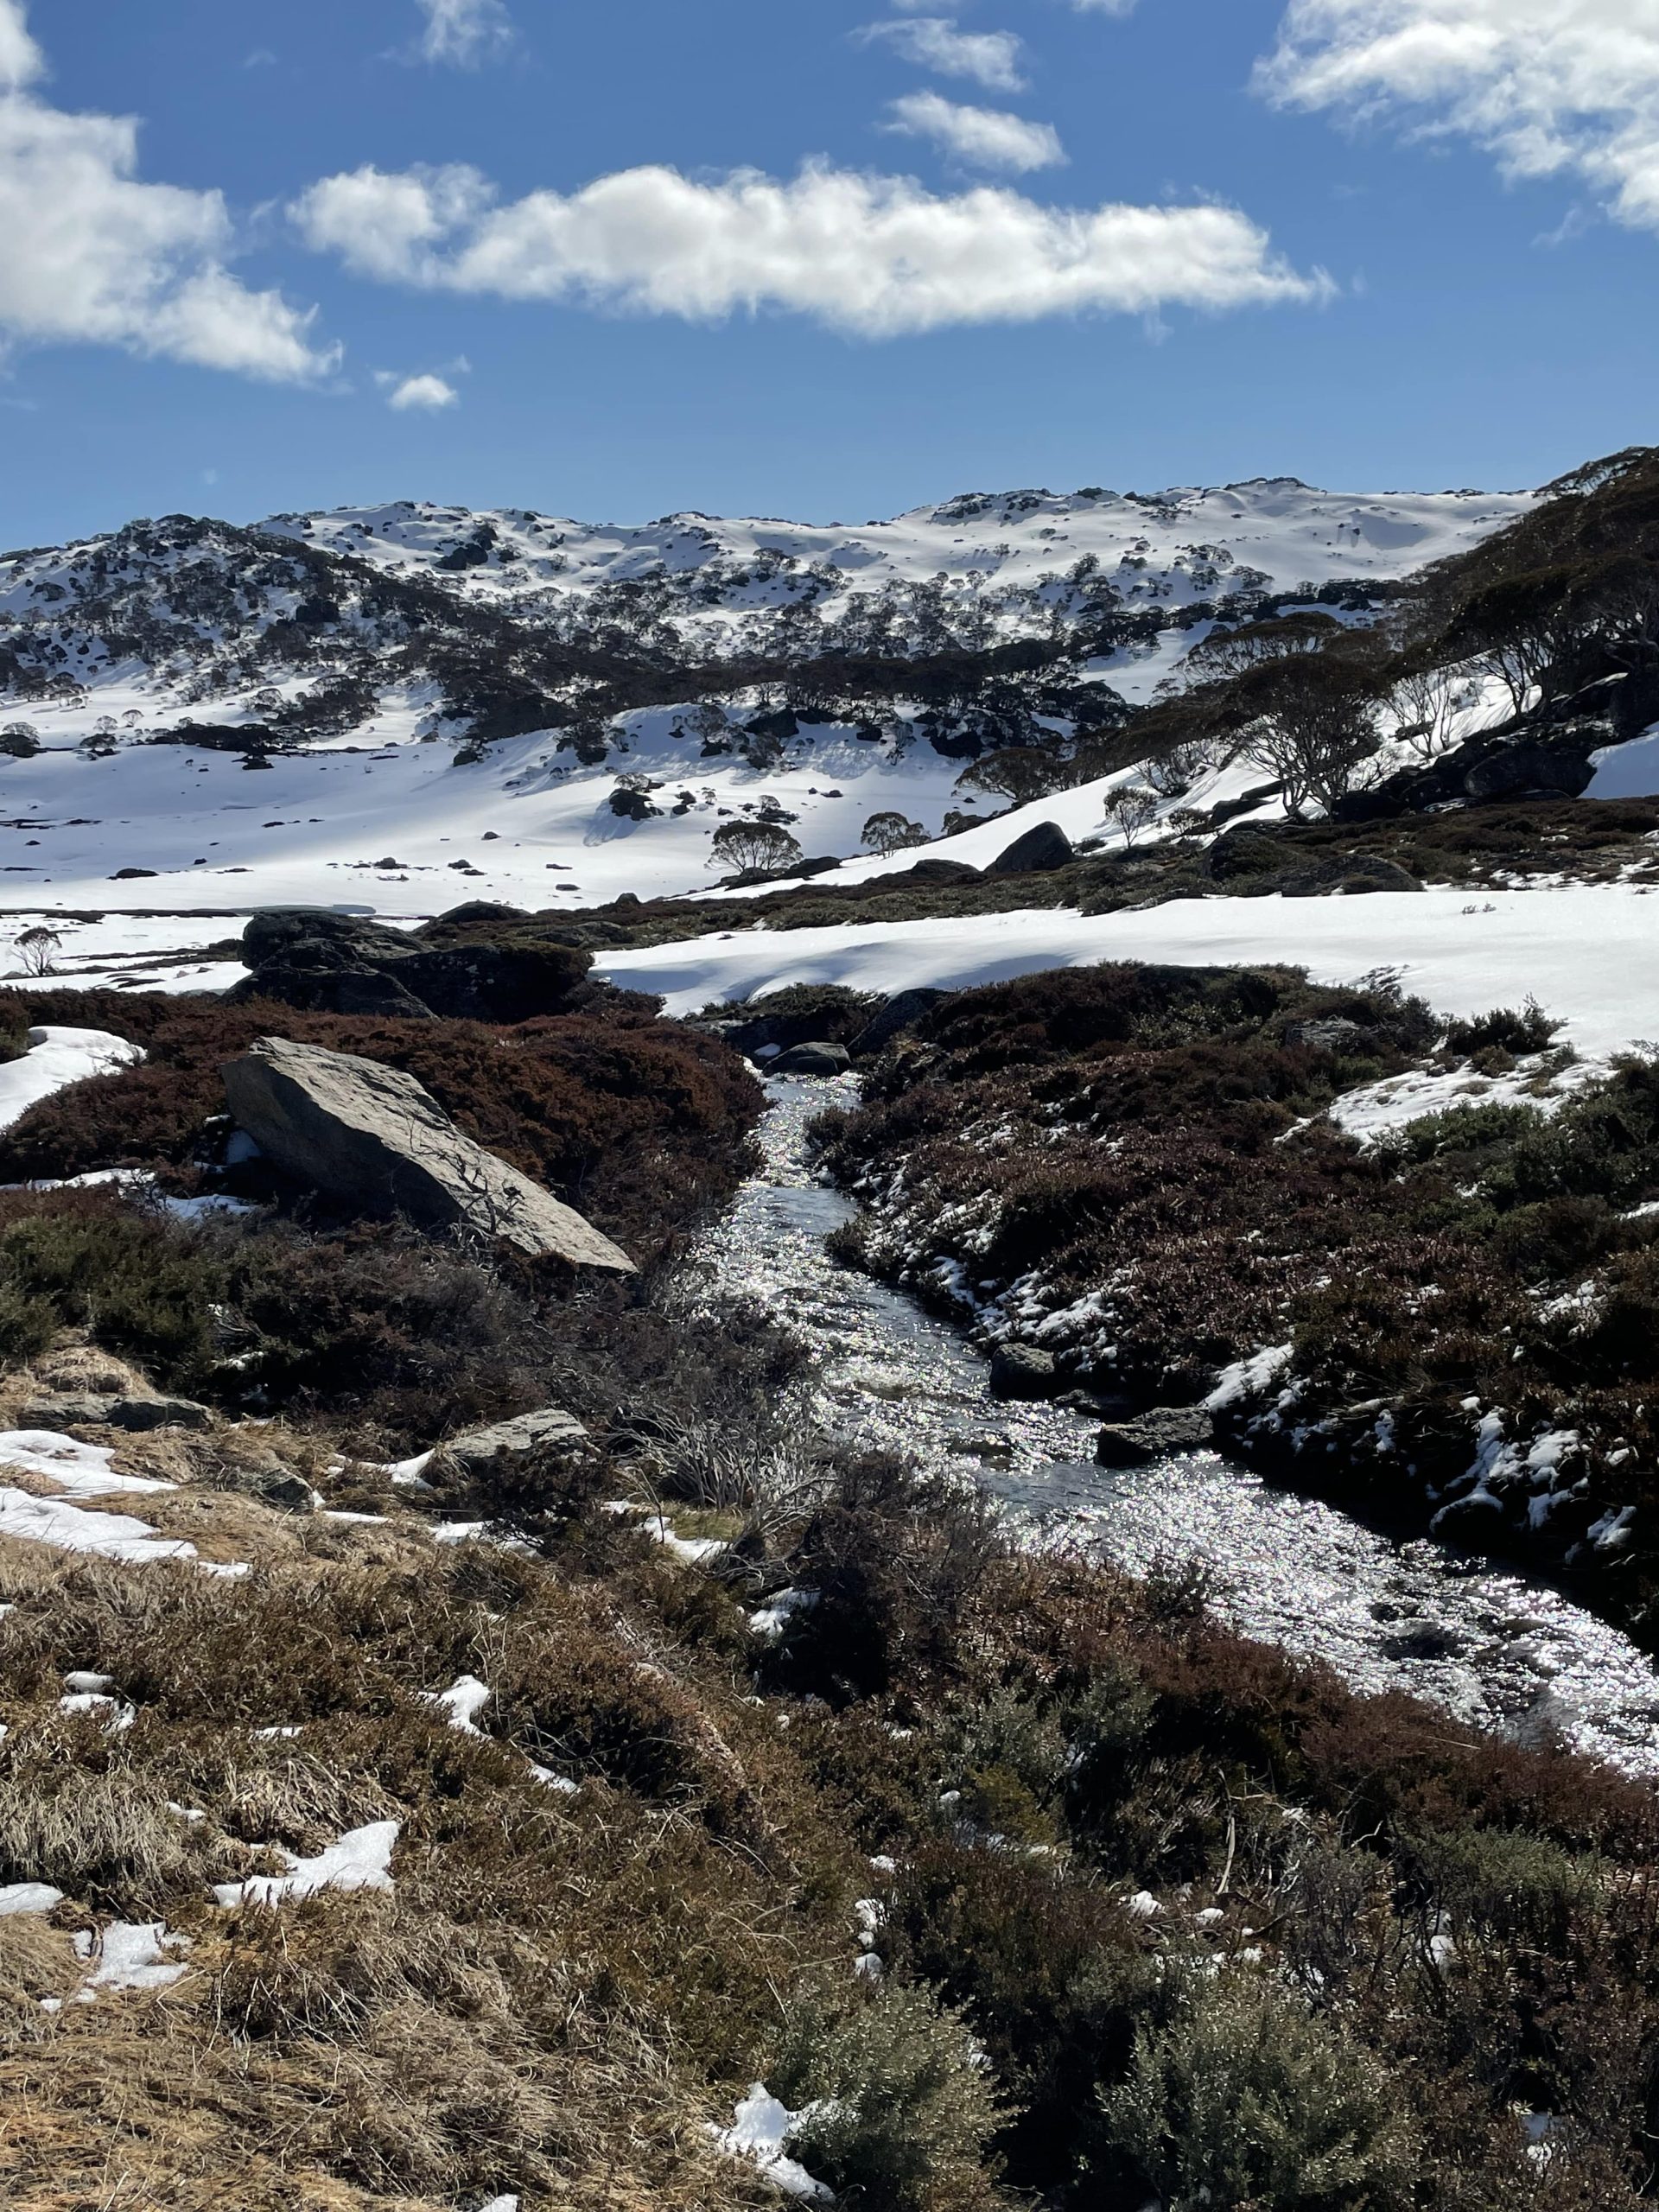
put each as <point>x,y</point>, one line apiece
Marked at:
<point>373,1135</point>
<point>551,1429</point>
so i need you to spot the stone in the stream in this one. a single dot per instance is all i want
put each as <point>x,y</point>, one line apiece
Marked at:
<point>552,1427</point>
<point>1023,1371</point>
<point>811,1059</point>
<point>92,1409</point>
<point>372,1135</point>
<point>1156,1435</point>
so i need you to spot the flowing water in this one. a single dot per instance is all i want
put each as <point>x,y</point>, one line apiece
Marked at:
<point>1513,1655</point>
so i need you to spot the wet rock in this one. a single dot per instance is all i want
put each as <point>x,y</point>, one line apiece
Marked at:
<point>1023,1371</point>
<point>373,1135</point>
<point>901,1012</point>
<point>818,1060</point>
<point>94,1409</point>
<point>1156,1435</point>
<point>1045,846</point>
<point>1472,1523</point>
<point>552,1428</point>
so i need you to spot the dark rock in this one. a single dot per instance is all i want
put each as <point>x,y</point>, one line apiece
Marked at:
<point>131,875</point>
<point>1348,875</point>
<point>94,1409</point>
<point>931,871</point>
<point>633,806</point>
<point>805,1013</point>
<point>1471,1522</point>
<point>1156,1435</point>
<point>347,987</point>
<point>274,1485</point>
<point>781,722</point>
<point>1518,770</point>
<point>275,931</point>
<point>816,1060</point>
<point>1044,847</point>
<point>493,982</point>
<point>1246,803</point>
<point>474,910</point>
<point>1023,1371</point>
<point>68,1409</point>
<point>901,1012</point>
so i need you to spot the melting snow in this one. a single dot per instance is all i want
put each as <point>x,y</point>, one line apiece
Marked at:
<point>760,2126</point>
<point>130,1956</point>
<point>16,1898</point>
<point>360,1860</point>
<point>78,1470</point>
<point>57,1058</point>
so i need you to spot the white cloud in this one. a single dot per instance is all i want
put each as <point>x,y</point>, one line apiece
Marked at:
<point>1550,87</point>
<point>986,136</point>
<point>426,393</point>
<point>878,255</point>
<point>464,32</point>
<point>90,256</point>
<point>1104,7</point>
<point>990,58</point>
<point>21,60</point>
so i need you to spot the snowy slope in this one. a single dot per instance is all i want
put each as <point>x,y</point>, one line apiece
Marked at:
<point>1589,953</point>
<point>1172,547</point>
<point>181,623</point>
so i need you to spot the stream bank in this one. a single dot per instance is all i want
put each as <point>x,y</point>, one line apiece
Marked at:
<point>1504,1652</point>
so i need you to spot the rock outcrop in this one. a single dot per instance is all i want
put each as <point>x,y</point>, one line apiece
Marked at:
<point>324,963</point>
<point>551,1429</point>
<point>97,1409</point>
<point>1044,846</point>
<point>376,1137</point>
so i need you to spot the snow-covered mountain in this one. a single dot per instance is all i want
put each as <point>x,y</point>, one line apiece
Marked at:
<point>350,656</point>
<point>1013,553</point>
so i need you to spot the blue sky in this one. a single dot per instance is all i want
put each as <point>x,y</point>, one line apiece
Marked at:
<point>828,261</point>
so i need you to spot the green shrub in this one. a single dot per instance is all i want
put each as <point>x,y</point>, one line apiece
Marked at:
<point>898,2103</point>
<point>1520,1033</point>
<point>1245,2098</point>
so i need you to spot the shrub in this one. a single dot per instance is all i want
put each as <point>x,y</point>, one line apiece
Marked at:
<point>898,2103</point>
<point>896,1556</point>
<point>1520,1033</point>
<point>1245,2098</point>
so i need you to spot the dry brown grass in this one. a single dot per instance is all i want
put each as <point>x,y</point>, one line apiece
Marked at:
<point>563,1990</point>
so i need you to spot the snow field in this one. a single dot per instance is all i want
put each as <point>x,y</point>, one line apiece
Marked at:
<point>1588,953</point>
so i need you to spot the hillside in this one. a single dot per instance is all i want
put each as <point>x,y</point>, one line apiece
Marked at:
<point>947,1515</point>
<point>807,678</point>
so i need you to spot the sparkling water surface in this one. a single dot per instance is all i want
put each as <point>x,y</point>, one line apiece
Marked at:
<point>1508,1654</point>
